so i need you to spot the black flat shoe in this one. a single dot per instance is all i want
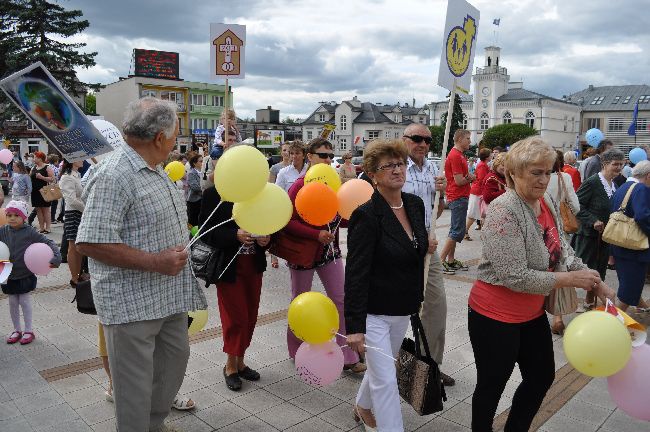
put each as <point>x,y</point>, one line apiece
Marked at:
<point>232,381</point>
<point>249,374</point>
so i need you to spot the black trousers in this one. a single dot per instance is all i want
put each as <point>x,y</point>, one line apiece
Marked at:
<point>497,347</point>
<point>193,210</point>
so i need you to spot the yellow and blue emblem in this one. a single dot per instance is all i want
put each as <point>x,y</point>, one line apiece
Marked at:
<point>459,46</point>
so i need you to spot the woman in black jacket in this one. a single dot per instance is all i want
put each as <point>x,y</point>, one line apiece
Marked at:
<point>240,286</point>
<point>384,277</point>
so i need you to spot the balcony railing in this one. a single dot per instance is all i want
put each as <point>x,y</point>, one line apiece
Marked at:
<point>206,109</point>
<point>492,69</point>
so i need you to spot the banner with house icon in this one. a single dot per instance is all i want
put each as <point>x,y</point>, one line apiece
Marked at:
<point>458,46</point>
<point>227,43</point>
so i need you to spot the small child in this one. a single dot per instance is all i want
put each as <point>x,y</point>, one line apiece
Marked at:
<point>18,236</point>
<point>217,145</point>
<point>22,183</point>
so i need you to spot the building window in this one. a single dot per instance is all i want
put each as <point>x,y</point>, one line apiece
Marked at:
<point>31,125</point>
<point>396,134</point>
<point>442,118</point>
<point>530,119</point>
<point>387,134</point>
<point>598,100</point>
<point>566,125</point>
<point>616,125</point>
<point>627,99</point>
<point>344,123</point>
<point>463,123</point>
<point>642,124</point>
<point>644,99</point>
<point>321,117</point>
<point>217,100</point>
<point>573,122</point>
<point>395,118</point>
<point>310,135</point>
<point>593,123</point>
<point>616,99</point>
<point>421,120</point>
<point>200,123</point>
<point>485,121</point>
<point>149,93</point>
<point>373,135</point>
<point>507,117</point>
<point>199,99</point>
<point>343,142</point>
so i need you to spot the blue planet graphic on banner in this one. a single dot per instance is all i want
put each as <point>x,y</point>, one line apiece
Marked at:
<point>47,107</point>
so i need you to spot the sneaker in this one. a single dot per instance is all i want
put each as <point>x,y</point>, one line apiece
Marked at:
<point>457,265</point>
<point>447,269</point>
<point>585,307</point>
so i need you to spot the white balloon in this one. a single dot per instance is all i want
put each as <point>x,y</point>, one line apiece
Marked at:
<point>4,252</point>
<point>111,133</point>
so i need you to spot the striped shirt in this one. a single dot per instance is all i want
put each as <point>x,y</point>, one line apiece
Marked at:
<point>130,203</point>
<point>421,182</point>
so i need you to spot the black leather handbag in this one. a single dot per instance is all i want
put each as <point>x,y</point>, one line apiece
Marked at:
<point>84,295</point>
<point>204,260</point>
<point>418,376</point>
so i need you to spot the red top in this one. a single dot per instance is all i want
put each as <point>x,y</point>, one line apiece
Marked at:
<point>456,164</point>
<point>575,175</point>
<point>494,186</point>
<point>501,303</point>
<point>480,172</point>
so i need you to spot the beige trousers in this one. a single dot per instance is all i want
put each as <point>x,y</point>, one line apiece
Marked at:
<point>433,312</point>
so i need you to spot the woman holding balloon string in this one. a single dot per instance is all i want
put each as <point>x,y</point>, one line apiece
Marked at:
<point>387,244</point>
<point>17,237</point>
<point>524,259</point>
<point>328,263</point>
<point>239,282</point>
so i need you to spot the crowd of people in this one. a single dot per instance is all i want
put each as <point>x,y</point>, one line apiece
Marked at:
<point>143,285</point>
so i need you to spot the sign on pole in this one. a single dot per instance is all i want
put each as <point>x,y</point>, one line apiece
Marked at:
<point>42,99</point>
<point>227,43</point>
<point>458,46</point>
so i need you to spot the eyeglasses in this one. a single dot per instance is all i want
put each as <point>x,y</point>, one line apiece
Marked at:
<point>391,166</point>
<point>419,138</point>
<point>325,155</point>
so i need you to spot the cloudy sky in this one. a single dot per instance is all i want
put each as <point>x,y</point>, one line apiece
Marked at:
<point>301,52</point>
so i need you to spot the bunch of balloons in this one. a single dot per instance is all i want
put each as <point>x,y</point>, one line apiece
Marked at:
<point>313,318</point>
<point>598,344</point>
<point>323,195</point>
<point>241,176</point>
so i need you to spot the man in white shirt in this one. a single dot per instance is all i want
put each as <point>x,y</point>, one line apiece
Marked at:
<point>422,179</point>
<point>297,168</point>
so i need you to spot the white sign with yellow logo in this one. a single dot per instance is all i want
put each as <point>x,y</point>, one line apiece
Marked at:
<point>458,46</point>
<point>227,43</point>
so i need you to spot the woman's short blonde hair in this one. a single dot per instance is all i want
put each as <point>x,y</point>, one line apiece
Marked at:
<point>383,148</point>
<point>498,161</point>
<point>526,152</point>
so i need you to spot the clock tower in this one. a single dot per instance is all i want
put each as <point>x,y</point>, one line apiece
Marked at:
<point>490,83</point>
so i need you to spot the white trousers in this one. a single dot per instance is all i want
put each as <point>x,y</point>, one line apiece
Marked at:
<point>378,389</point>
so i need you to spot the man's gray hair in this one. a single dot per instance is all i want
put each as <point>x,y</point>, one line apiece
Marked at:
<point>612,155</point>
<point>570,157</point>
<point>641,169</point>
<point>146,117</point>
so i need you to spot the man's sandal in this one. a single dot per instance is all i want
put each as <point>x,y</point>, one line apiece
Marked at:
<point>183,403</point>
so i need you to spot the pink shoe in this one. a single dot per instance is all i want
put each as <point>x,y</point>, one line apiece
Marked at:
<point>14,337</point>
<point>27,338</point>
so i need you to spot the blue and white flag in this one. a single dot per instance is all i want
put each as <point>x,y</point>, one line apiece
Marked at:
<point>632,129</point>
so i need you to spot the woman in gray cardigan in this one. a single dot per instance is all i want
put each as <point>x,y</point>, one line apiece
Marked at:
<point>523,259</point>
<point>194,191</point>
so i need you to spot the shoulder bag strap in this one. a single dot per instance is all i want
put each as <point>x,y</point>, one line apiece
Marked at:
<point>627,198</point>
<point>562,192</point>
<point>418,332</point>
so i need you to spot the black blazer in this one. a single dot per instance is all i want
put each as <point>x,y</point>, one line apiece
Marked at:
<point>225,237</point>
<point>594,206</point>
<point>384,272</point>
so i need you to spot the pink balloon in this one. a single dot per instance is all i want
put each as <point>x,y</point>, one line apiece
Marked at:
<point>630,388</point>
<point>352,194</point>
<point>6,156</point>
<point>319,365</point>
<point>37,258</point>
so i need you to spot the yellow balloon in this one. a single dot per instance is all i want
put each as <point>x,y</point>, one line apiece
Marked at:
<point>241,173</point>
<point>267,212</point>
<point>597,344</point>
<point>313,317</point>
<point>196,320</point>
<point>325,174</point>
<point>175,170</point>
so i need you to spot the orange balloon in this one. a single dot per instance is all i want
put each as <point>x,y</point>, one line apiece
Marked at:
<point>3,217</point>
<point>352,194</point>
<point>316,203</point>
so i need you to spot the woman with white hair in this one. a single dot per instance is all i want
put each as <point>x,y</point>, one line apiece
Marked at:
<point>569,168</point>
<point>632,265</point>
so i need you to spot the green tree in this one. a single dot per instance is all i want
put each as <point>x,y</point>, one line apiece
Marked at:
<point>290,121</point>
<point>456,122</point>
<point>91,104</point>
<point>505,135</point>
<point>438,136</point>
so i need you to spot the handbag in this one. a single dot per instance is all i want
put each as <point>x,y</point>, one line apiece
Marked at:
<point>622,230</point>
<point>569,220</point>
<point>204,260</point>
<point>296,250</point>
<point>418,376</point>
<point>84,295</point>
<point>561,301</point>
<point>51,192</point>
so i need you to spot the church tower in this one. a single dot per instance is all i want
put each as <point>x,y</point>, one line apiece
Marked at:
<point>490,82</point>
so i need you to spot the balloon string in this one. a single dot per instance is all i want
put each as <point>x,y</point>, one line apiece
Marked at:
<point>378,350</point>
<point>233,259</point>
<point>197,237</point>
<point>206,221</point>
